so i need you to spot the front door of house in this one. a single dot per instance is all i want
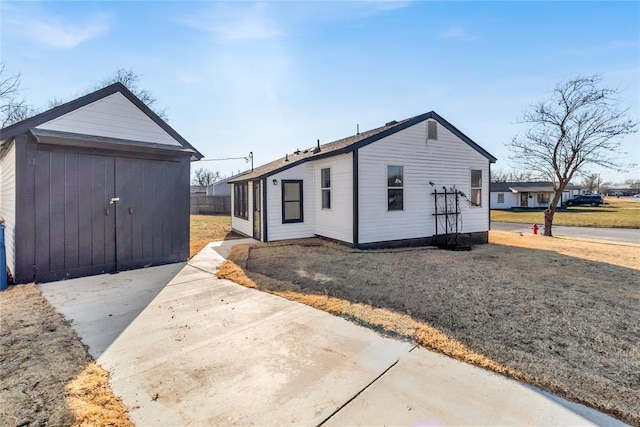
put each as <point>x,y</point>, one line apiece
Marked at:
<point>524,200</point>
<point>257,203</point>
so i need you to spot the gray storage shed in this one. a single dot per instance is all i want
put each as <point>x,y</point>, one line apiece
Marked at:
<point>96,185</point>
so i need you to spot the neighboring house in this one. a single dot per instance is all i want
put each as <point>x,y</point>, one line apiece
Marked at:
<point>96,185</point>
<point>220,188</point>
<point>622,190</point>
<point>372,189</point>
<point>508,195</point>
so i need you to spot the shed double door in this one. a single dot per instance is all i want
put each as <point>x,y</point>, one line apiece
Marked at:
<point>81,231</point>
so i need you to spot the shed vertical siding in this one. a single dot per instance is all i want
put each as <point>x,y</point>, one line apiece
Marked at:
<point>112,116</point>
<point>337,222</point>
<point>8,202</point>
<point>276,229</point>
<point>446,161</point>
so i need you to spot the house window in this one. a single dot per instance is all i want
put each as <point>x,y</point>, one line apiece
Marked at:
<point>500,197</point>
<point>292,201</point>
<point>241,200</point>
<point>325,187</point>
<point>476,187</point>
<point>395,188</point>
<point>543,198</point>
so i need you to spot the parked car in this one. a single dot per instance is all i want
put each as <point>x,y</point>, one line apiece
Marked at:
<point>585,200</point>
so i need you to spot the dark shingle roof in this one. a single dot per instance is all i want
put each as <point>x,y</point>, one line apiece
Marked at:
<point>351,143</point>
<point>533,186</point>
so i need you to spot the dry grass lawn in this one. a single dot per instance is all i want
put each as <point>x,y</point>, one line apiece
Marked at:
<point>46,375</point>
<point>560,314</point>
<point>621,213</point>
<point>209,228</point>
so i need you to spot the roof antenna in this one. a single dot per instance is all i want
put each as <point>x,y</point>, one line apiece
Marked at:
<point>357,128</point>
<point>317,149</point>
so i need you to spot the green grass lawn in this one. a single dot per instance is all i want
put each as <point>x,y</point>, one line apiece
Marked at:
<point>616,213</point>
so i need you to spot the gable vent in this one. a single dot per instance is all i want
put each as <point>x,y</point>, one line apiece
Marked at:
<point>432,130</point>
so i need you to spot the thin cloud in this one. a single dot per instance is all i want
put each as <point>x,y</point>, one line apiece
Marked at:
<point>382,6</point>
<point>236,23</point>
<point>65,36</point>
<point>49,30</point>
<point>617,44</point>
<point>457,33</point>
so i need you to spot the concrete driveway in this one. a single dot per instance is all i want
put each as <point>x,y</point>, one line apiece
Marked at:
<point>186,348</point>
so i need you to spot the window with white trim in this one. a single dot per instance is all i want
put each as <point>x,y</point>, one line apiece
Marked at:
<point>292,205</point>
<point>325,187</point>
<point>395,188</point>
<point>476,187</point>
<point>241,200</point>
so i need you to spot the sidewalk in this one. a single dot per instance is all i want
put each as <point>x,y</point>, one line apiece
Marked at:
<point>206,351</point>
<point>625,235</point>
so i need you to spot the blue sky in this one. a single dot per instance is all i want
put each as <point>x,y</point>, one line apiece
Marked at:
<point>271,77</point>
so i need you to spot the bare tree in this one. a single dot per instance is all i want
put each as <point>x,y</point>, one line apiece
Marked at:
<point>580,124</point>
<point>13,107</point>
<point>204,177</point>
<point>591,182</point>
<point>499,175</point>
<point>605,186</point>
<point>632,182</point>
<point>130,79</point>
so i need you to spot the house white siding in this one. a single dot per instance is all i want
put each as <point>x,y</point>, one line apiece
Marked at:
<point>535,199</point>
<point>113,116</point>
<point>447,161</point>
<point>275,228</point>
<point>8,203</point>
<point>244,226</point>
<point>337,222</point>
<point>510,200</point>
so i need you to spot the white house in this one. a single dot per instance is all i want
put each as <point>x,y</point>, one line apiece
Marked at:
<point>537,194</point>
<point>372,189</point>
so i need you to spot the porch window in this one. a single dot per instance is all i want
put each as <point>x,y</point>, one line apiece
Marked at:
<point>292,201</point>
<point>543,198</point>
<point>395,188</point>
<point>476,187</point>
<point>241,200</point>
<point>500,197</point>
<point>325,187</point>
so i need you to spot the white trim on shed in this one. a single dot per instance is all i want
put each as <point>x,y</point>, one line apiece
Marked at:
<point>8,202</point>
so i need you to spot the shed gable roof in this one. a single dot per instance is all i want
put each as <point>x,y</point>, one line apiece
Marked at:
<point>53,119</point>
<point>352,143</point>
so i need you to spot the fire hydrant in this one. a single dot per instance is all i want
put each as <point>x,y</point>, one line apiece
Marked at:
<point>535,228</point>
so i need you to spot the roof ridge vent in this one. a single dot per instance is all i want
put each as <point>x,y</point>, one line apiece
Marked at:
<point>391,123</point>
